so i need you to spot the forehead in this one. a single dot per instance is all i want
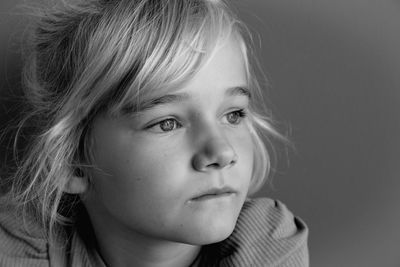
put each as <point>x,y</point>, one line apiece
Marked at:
<point>224,67</point>
<point>223,75</point>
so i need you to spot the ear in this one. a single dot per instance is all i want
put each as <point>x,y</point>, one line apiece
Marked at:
<point>76,185</point>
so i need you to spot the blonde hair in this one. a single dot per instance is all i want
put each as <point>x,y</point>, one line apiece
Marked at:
<point>104,56</point>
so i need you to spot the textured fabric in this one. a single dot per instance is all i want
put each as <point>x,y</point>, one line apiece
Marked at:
<point>266,234</point>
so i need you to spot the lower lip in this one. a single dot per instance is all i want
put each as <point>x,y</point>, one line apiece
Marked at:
<point>212,197</point>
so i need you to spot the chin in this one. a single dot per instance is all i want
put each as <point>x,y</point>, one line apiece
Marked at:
<point>212,232</point>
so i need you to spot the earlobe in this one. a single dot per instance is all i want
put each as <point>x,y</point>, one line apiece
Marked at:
<point>76,185</point>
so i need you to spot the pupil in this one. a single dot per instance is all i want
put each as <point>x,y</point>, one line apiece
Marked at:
<point>233,117</point>
<point>167,125</point>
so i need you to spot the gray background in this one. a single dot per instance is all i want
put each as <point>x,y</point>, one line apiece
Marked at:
<point>334,72</point>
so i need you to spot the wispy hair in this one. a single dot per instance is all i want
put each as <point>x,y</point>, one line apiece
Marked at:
<point>92,56</point>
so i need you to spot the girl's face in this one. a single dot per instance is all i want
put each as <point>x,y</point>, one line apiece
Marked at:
<point>179,169</point>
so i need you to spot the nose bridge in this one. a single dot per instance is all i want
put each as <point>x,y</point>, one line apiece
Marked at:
<point>217,145</point>
<point>215,150</point>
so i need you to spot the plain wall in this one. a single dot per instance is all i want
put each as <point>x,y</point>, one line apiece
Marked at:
<point>333,68</point>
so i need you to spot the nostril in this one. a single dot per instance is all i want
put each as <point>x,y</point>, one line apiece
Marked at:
<point>213,165</point>
<point>215,154</point>
<point>218,165</point>
<point>225,161</point>
<point>234,159</point>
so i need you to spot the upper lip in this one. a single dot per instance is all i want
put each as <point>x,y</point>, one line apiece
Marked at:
<point>215,191</point>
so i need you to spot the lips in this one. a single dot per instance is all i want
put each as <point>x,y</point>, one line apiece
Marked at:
<point>214,193</point>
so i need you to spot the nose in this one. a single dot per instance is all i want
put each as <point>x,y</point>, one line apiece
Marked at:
<point>215,153</point>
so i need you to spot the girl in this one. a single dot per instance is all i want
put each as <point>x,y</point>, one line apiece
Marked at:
<point>147,143</point>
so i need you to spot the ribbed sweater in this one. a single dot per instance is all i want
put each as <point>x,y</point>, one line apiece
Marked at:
<point>266,234</point>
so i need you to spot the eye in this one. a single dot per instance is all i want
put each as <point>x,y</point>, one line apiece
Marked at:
<point>235,117</point>
<point>166,125</point>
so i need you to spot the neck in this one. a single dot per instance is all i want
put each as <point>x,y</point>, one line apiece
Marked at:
<point>139,252</point>
<point>133,249</point>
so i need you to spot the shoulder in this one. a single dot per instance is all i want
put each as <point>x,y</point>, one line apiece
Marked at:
<point>267,234</point>
<point>272,217</point>
<point>21,242</point>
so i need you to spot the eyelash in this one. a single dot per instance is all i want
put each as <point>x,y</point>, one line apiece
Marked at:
<point>176,125</point>
<point>241,113</point>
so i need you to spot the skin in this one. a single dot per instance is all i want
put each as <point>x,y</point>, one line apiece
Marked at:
<point>152,166</point>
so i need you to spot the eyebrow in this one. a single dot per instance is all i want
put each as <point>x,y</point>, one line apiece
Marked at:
<point>238,91</point>
<point>180,97</point>
<point>163,100</point>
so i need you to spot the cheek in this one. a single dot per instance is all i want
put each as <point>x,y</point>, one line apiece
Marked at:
<point>130,195</point>
<point>245,147</point>
<point>139,176</point>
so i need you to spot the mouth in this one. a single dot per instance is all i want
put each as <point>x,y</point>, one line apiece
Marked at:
<point>214,193</point>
